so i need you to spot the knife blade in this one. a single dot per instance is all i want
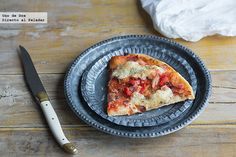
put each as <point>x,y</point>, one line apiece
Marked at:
<point>32,79</point>
<point>36,87</point>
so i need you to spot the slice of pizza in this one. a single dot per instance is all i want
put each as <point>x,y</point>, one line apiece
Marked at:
<point>139,83</point>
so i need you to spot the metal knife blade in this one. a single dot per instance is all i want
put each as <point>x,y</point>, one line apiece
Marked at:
<point>32,78</point>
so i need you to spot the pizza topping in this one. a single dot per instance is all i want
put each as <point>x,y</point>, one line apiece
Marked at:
<point>140,103</point>
<point>114,84</point>
<point>134,82</point>
<point>153,73</point>
<point>136,70</point>
<point>140,89</point>
<point>162,96</point>
<point>121,102</point>
<point>111,105</point>
<point>180,90</point>
<point>112,97</point>
<point>137,98</point>
<point>163,80</point>
<point>128,91</point>
<point>165,94</point>
<point>155,81</point>
<point>143,88</point>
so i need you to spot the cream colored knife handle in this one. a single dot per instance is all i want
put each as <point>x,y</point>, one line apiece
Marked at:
<point>55,127</point>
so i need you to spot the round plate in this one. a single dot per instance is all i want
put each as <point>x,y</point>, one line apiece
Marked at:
<point>89,56</point>
<point>95,79</point>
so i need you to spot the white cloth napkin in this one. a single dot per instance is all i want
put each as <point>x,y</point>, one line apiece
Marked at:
<point>192,19</point>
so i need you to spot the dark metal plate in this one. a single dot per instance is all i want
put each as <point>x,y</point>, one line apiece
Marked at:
<point>95,79</point>
<point>92,54</point>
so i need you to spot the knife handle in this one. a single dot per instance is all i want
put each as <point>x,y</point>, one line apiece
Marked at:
<point>55,127</point>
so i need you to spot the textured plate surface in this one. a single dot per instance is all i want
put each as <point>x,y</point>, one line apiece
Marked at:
<point>92,54</point>
<point>95,79</point>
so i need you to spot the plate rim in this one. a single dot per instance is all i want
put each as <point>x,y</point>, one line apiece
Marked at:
<point>165,131</point>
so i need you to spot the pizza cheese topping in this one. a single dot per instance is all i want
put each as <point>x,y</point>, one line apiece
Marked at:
<point>162,96</point>
<point>134,69</point>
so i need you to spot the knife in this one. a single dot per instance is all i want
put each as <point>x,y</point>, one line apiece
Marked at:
<point>36,87</point>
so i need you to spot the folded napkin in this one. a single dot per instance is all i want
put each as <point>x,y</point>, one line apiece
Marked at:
<point>192,20</point>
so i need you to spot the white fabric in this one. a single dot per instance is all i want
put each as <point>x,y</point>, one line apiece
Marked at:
<point>192,19</point>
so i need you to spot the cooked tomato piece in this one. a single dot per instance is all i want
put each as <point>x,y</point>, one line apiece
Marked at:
<point>145,86</point>
<point>163,80</point>
<point>134,82</point>
<point>180,86</point>
<point>128,91</point>
<point>179,89</point>
<point>143,82</point>
<point>122,100</point>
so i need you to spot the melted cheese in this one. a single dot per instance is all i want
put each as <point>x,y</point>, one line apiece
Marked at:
<point>163,96</point>
<point>134,69</point>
